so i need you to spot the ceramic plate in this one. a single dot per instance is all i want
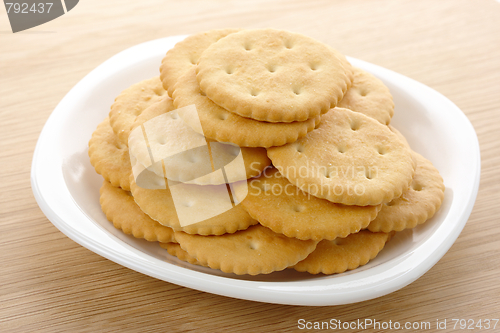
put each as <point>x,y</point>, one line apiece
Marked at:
<point>66,187</point>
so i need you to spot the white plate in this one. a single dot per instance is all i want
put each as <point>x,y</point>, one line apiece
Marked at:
<point>66,187</point>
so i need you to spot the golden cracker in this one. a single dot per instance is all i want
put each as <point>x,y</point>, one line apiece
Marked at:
<point>221,125</point>
<point>185,54</point>
<point>342,254</point>
<point>350,159</point>
<point>368,95</point>
<point>109,157</point>
<point>159,205</point>
<point>272,75</point>
<point>417,204</point>
<point>284,208</point>
<point>123,212</point>
<point>130,104</point>
<point>256,250</point>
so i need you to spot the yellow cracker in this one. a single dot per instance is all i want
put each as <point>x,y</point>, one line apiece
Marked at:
<point>175,250</point>
<point>185,55</point>
<point>342,254</point>
<point>272,75</point>
<point>109,156</point>
<point>257,250</point>
<point>284,208</point>
<point>221,125</point>
<point>254,159</point>
<point>417,204</point>
<point>131,102</point>
<point>368,95</point>
<point>350,159</point>
<point>159,205</point>
<point>121,209</point>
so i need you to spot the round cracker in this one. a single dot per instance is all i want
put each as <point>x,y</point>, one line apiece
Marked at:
<point>417,204</point>
<point>110,157</point>
<point>272,75</point>
<point>284,208</point>
<point>159,205</point>
<point>370,96</point>
<point>185,54</point>
<point>221,125</point>
<point>350,159</point>
<point>255,160</point>
<point>256,250</point>
<point>121,209</point>
<point>130,104</point>
<point>342,254</point>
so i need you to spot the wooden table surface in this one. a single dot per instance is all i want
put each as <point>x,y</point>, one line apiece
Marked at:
<point>49,283</point>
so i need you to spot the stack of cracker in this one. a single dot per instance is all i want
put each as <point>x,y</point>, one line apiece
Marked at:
<point>329,180</point>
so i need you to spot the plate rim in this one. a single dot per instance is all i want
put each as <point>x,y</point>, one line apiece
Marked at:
<point>270,292</point>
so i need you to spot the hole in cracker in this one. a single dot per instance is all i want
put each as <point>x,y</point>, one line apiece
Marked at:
<point>271,68</point>
<point>299,148</point>
<point>314,66</point>
<point>298,208</point>
<point>229,70</point>
<point>174,115</point>
<point>382,150</point>
<point>288,44</point>
<point>188,204</point>
<point>254,92</point>
<point>368,174</point>
<point>162,141</point>
<point>247,46</point>
<point>355,125</point>
<point>192,61</point>
<point>253,246</point>
<point>296,90</point>
<point>341,149</point>
<point>222,116</point>
<point>416,187</point>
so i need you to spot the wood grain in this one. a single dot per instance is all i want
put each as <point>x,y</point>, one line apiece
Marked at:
<point>51,284</point>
